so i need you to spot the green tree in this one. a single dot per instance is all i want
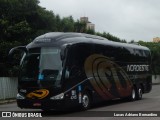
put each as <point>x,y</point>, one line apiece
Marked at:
<point>67,24</point>
<point>80,26</point>
<point>58,23</point>
<point>23,20</point>
<point>90,31</point>
<point>155,54</point>
<point>20,22</point>
<point>110,37</point>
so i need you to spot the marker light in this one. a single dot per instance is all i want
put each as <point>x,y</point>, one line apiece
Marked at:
<point>58,97</point>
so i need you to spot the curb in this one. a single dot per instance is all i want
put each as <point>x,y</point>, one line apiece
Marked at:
<point>155,83</point>
<point>7,101</point>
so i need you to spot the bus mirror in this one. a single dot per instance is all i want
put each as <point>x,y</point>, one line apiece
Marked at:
<point>15,55</point>
<point>22,48</point>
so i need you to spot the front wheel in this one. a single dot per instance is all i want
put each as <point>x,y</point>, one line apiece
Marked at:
<point>86,101</point>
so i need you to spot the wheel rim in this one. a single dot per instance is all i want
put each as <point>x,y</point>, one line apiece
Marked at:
<point>133,94</point>
<point>140,93</point>
<point>85,101</point>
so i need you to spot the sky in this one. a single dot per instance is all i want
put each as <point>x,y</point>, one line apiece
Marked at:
<point>127,19</point>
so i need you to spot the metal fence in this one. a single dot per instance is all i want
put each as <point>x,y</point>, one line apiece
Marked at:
<point>8,87</point>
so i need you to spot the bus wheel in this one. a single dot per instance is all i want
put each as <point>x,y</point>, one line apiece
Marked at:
<point>139,93</point>
<point>132,97</point>
<point>86,101</point>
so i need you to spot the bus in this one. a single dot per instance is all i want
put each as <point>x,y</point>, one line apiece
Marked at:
<point>62,70</point>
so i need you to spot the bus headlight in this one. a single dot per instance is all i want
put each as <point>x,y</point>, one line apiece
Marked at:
<point>19,96</point>
<point>58,97</point>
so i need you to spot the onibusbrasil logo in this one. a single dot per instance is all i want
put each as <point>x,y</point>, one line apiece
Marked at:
<point>21,114</point>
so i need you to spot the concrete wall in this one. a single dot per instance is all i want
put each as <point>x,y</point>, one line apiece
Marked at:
<point>8,87</point>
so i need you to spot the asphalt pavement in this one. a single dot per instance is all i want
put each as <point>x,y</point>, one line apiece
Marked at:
<point>109,110</point>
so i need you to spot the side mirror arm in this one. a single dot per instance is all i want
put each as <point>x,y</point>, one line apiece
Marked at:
<point>23,48</point>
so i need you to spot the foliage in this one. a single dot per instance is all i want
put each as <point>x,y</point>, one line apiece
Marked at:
<point>110,37</point>
<point>155,53</point>
<point>23,20</point>
<point>80,26</point>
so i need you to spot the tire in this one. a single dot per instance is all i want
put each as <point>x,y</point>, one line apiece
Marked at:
<point>132,97</point>
<point>86,101</point>
<point>139,93</point>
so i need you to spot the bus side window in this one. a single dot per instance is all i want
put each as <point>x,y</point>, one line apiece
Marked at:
<point>79,54</point>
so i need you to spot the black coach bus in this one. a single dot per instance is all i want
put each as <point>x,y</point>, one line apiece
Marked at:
<point>61,70</point>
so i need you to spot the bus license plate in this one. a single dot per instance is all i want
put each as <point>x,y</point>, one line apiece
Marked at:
<point>37,104</point>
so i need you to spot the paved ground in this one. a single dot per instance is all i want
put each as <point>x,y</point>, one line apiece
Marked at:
<point>150,102</point>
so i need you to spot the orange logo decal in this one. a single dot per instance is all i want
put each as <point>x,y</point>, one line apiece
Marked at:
<point>108,78</point>
<point>38,94</point>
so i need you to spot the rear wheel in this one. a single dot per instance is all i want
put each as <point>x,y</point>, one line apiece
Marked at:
<point>139,93</point>
<point>136,94</point>
<point>86,101</point>
<point>133,95</point>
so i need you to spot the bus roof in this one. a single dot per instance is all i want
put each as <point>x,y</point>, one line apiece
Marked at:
<point>60,38</point>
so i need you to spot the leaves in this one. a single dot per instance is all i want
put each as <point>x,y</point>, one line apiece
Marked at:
<point>155,53</point>
<point>23,20</point>
<point>110,37</point>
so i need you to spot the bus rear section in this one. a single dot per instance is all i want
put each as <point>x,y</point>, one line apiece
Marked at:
<point>105,72</point>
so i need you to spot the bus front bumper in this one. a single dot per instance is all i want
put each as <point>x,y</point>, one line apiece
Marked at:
<point>42,104</point>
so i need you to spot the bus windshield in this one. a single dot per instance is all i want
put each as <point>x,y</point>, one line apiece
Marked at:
<point>41,64</point>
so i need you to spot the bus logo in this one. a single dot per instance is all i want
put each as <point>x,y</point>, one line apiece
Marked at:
<point>137,68</point>
<point>38,94</point>
<point>108,78</point>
